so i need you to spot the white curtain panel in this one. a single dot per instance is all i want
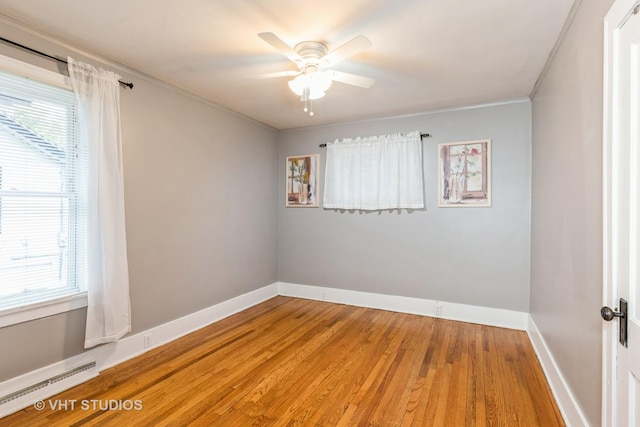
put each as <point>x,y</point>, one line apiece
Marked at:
<point>108,310</point>
<point>376,173</point>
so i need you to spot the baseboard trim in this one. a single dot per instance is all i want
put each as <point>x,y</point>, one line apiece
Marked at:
<point>571,411</point>
<point>131,346</point>
<point>134,345</point>
<point>126,348</point>
<point>21,382</point>
<point>424,307</point>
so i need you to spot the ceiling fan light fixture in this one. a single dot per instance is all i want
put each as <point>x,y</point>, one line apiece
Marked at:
<point>315,62</point>
<point>313,85</point>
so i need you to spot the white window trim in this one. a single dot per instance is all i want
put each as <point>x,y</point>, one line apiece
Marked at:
<point>30,71</point>
<point>12,316</point>
<point>15,315</point>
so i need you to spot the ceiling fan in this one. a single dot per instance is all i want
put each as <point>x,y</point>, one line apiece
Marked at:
<point>314,61</point>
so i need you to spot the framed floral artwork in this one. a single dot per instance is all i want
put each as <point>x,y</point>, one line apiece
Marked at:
<point>464,174</point>
<point>302,187</point>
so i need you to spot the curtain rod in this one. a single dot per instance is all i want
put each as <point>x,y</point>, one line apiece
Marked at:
<point>422,135</point>
<point>46,55</point>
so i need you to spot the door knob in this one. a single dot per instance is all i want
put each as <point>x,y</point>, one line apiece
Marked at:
<point>608,314</point>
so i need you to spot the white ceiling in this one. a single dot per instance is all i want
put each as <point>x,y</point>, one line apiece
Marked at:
<point>426,54</point>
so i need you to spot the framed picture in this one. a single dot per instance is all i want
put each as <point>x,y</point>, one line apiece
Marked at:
<point>464,174</point>
<point>302,187</point>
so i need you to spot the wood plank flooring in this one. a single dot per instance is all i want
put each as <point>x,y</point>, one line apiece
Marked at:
<point>294,362</point>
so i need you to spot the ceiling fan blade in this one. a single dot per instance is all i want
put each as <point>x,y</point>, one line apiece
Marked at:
<point>352,79</point>
<point>350,48</point>
<point>280,46</point>
<point>289,73</point>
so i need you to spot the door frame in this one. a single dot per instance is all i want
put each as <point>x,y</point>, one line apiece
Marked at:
<point>620,11</point>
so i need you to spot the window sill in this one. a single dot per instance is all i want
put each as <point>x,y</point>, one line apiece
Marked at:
<point>17,315</point>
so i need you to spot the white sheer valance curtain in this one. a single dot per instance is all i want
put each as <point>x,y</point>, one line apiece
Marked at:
<point>375,173</point>
<point>108,310</point>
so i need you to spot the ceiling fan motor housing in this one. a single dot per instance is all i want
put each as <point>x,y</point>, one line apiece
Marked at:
<point>311,53</point>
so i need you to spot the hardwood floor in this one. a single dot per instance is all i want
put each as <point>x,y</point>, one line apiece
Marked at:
<point>289,362</point>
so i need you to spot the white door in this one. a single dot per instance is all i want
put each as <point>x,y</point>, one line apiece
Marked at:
<point>622,214</point>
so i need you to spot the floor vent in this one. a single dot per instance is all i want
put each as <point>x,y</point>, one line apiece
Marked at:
<point>42,384</point>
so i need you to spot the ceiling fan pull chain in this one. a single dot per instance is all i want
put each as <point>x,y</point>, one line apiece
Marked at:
<point>308,101</point>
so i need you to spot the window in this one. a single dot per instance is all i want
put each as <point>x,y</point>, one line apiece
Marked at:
<point>375,173</point>
<point>42,196</point>
<point>0,200</point>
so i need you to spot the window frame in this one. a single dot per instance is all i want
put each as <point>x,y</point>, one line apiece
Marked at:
<point>56,305</point>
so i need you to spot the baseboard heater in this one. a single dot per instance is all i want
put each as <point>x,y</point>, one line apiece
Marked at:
<point>45,383</point>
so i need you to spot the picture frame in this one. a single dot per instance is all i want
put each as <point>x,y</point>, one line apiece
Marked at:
<point>302,185</point>
<point>464,174</point>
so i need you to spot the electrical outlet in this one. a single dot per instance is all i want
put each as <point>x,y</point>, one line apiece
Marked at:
<point>147,340</point>
<point>437,309</point>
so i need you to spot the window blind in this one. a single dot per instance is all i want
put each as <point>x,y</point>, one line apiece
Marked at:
<point>42,194</point>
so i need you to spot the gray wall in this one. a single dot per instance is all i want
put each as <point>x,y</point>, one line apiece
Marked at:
<point>566,236</point>
<point>477,256</point>
<point>203,226</point>
<point>201,212</point>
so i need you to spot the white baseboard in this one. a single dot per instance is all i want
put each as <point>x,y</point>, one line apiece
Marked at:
<point>128,347</point>
<point>425,307</point>
<point>571,411</point>
<point>131,346</point>
<point>134,345</point>
<point>17,384</point>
